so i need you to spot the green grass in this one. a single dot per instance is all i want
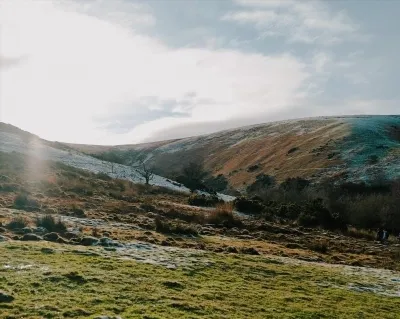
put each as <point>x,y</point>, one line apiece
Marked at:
<point>66,284</point>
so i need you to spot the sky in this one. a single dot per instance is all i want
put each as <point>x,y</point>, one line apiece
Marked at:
<point>125,71</point>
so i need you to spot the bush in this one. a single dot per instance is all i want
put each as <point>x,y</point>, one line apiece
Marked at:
<point>51,224</point>
<point>18,223</point>
<point>321,246</point>
<point>223,215</point>
<point>249,206</point>
<point>22,201</point>
<point>204,201</point>
<point>178,228</point>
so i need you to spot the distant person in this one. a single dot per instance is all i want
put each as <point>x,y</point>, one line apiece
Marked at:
<point>379,234</point>
<point>385,235</point>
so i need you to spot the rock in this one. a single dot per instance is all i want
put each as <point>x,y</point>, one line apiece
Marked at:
<point>249,251</point>
<point>51,237</point>
<point>2,230</point>
<point>232,250</point>
<point>61,240</point>
<point>31,237</point>
<point>40,230</point>
<point>106,242</point>
<point>4,297</point>
<point>27,230</point>
<point>89,241</point>
<point>71,235</point>
<point>3,238</point>
<point>165,243</point>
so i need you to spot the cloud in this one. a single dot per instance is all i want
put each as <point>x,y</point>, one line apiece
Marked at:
<point>298,21</point>
<point>85,74</point>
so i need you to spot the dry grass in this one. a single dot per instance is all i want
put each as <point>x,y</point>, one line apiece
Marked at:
<point>223,215</point>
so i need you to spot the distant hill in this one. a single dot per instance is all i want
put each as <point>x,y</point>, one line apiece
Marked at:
<point>348,148</point>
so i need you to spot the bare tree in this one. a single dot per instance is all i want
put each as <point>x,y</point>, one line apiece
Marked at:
<point>145,171</point>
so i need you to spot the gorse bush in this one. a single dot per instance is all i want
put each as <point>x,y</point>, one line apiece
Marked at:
<point>364,206</point>
<point>223,215</point>
<point>166,227</point>
<point>18,223</point>
<point>23,201</point>
<point>204,200</point>
<point>51,224</point>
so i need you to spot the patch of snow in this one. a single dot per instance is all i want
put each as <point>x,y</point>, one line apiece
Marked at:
<point>13,143</point>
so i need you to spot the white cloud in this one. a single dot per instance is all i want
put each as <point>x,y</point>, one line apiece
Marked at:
<point>81,65</point>
<point>298,21</point>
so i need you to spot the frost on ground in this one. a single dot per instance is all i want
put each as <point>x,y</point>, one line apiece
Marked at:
<point>13,143</point>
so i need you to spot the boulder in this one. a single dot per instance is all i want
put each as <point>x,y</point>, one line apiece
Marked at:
<point>89,241</point>
<point>40,230</point>
<point>31,237</point>
<point>27,230</point>
<point>3,238</point>
<point>51,237</point>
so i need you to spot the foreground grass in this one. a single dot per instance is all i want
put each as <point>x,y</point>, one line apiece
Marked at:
<point>62,284</point>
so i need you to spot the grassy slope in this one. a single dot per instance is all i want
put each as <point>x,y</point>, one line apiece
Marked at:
<point>67,284</point>
<point>335,147</point>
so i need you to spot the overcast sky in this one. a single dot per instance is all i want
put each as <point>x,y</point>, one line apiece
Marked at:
<point>124,71</point>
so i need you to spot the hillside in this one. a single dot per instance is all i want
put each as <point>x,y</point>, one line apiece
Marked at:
<point>342,148</point>
<point>75,226</point>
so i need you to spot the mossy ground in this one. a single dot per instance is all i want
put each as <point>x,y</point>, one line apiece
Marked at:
<point>54,283</point>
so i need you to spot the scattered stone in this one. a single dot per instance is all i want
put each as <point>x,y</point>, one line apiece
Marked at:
<point>40,230</point>
<point>27,230</point>
<point>51,237</point>
<point>31,237</point>
<point>4,297</point>
<point>3,238</point>
<point>71,235</point>
<point>89,241</point>
<point>106,242</point>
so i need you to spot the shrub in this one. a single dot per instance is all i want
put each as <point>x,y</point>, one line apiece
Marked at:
<point>178,228</point>
<point>22,201</point>
<point>248,206</point>
<point>203,200</point>
<point>262,183</point>
<point>51,224</point>
<point>18,223</point>
<point>321,246</point>
<point>78,212</point>
<point>223,215</point>
<point>103,176</point>
<point>360,233</point>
